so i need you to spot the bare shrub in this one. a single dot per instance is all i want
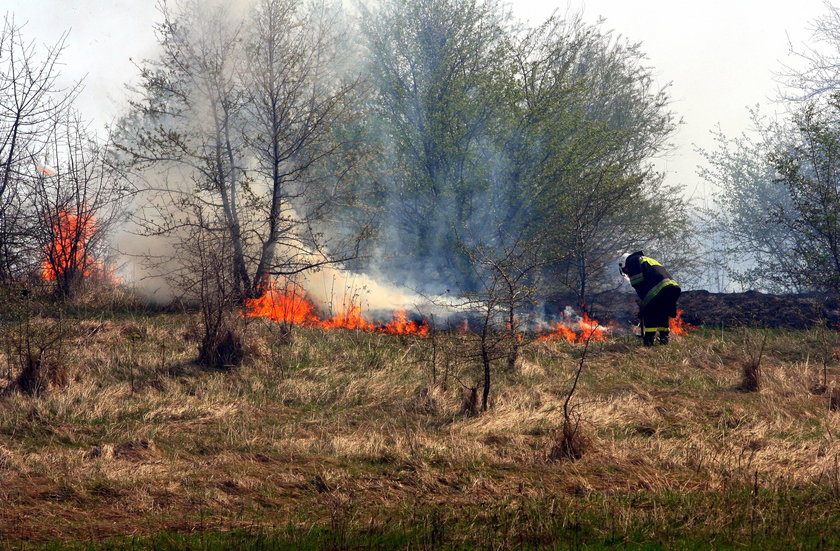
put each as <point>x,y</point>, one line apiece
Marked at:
<point>834,399</point>
<point>751,369</point>
<point>35,348</point>
<point>39,374</point>
<point>206,277</point>
<point>506,270</point>
<point>573,443</point>
<point>469,401</point>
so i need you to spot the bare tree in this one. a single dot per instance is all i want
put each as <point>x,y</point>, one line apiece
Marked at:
<point>507,272</point>
<point>30,102</point>
<point>188,119</point>
<point>77,203</point>
<point>245,113</point>
<point>820,59</point>
<point>295,98</point>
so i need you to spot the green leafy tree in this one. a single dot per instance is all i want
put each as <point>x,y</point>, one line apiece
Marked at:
<point>808,165</point>
<point>434,68</point>
<point>592,121</point>
<point>485,130</point>
<point>749,242</point>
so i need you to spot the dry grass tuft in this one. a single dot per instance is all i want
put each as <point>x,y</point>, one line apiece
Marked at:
<point>429,400</point>
<point>571,445</point>
<point>750,376</point>
<point>834,399</point>
<point>221,351</point>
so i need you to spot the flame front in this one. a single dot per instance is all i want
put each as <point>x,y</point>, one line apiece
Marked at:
<point>350,318</point>
<point>401,325</point>
<point>286,305</point>
<point>582,330</point>
<point>289,304</point>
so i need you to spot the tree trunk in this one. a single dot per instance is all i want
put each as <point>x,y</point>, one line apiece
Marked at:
<point>485,361</point>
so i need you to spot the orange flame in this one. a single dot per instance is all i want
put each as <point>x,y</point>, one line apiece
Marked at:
<point>590,329</point>
<point>678,326</point>
<point>351,318</point>
<point>560,331</point>
<point>401,326</point>
<point>67,251</point>
<point>287,305</point>
<point>587,329</point>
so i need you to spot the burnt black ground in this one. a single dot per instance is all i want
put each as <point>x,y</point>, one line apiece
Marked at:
<point>747,309</point>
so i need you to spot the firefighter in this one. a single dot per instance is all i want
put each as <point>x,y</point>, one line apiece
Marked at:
<point>658,294</point>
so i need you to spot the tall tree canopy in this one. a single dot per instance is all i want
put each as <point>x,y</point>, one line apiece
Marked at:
<point>542,135</point>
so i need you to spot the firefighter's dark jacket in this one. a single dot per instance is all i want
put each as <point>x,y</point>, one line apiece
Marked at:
<point>647,276</point>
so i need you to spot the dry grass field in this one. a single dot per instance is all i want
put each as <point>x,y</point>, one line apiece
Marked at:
<point>340,440</point>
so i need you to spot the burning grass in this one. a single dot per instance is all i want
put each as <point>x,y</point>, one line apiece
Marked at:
<point>336,432</point>
<point>575,329</point>
<point>288,304</point>
<point>678,326</point>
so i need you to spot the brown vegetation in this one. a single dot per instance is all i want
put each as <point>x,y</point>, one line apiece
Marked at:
<point>142,439</point>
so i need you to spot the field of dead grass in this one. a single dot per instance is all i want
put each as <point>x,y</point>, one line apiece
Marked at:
<point>339,439</point>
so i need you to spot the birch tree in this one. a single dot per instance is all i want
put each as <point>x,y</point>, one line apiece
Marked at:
<point>243,106</point>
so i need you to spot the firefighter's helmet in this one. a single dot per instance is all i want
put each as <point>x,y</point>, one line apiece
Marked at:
<point>622,262</point>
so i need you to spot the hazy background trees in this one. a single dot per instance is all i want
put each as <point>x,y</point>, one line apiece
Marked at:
<point>545,133</point>
<point>773,223</point>
<point>749,243</point>
<point>808,166</point>
<point>812,71</point>
<point>289,130</point>
<point>433,128</point>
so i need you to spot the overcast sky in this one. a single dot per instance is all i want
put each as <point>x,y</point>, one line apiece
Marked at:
<point>718,55</point>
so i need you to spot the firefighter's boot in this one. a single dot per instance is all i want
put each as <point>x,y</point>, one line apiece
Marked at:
<point>663,337</point>
<point>647,340</point>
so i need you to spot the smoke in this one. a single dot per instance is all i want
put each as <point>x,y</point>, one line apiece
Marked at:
<point>333,288</point>
<point>443,164</point>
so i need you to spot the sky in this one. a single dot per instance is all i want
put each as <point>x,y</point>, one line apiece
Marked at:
<point>718,56</point>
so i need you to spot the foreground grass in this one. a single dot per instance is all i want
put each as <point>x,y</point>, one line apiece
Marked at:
<point>340,440</point>
<point>562,523</point>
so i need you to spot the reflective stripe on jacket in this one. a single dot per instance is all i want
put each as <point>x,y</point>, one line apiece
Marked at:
<point>647,276</point>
